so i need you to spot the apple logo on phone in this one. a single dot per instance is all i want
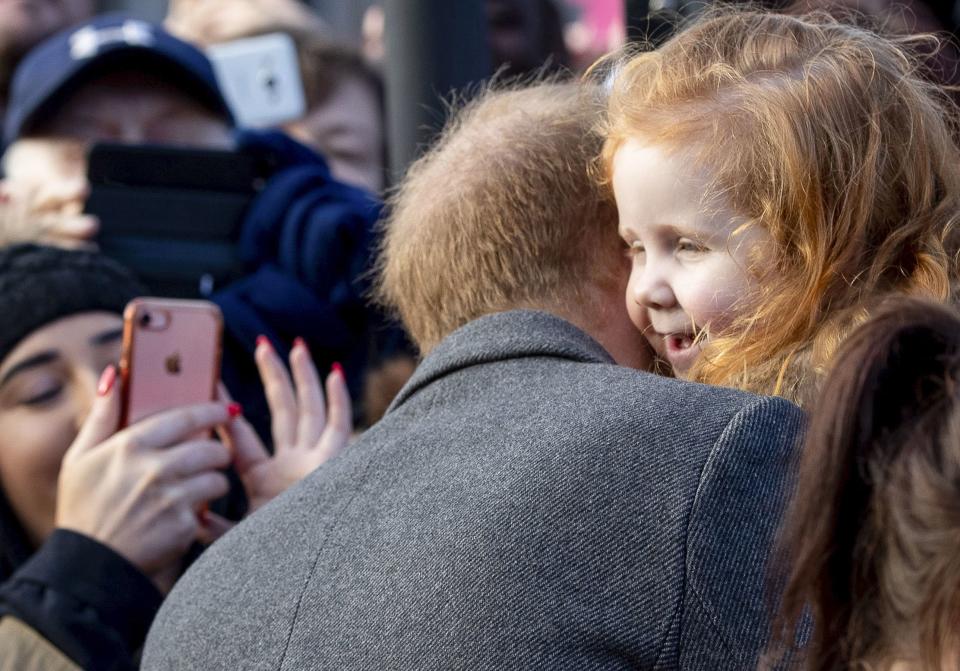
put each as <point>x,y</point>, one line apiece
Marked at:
<point>172,363</point>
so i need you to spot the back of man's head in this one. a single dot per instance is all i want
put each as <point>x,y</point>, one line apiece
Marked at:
<point>502,213</point>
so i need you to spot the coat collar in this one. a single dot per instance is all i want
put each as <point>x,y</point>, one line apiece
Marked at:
<point>14,546</point>
<point>500,336</point>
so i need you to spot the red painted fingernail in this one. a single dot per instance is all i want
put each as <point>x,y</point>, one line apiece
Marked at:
<point>235,409</point>
<point>337,368</point>
<point>263,340</point>
<point>300,342</point>
<point>4,197</point>
<point>107,379</point>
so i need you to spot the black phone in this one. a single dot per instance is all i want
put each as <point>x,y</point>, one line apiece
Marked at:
<point>173,215</point>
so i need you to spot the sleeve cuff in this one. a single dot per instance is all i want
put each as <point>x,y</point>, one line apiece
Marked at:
<point>90,572</point>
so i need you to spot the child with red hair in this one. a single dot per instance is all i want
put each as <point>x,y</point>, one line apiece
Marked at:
<point>777,177</point>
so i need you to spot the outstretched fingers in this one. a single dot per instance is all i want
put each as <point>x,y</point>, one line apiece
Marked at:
<point>312,413</point>
<point>241,438</point>
<point>336,434</point>
<point>279,393</point>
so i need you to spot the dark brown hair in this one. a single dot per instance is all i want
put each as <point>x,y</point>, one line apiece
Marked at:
<point>873,533</point>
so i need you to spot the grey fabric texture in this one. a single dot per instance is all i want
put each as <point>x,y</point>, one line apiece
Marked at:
<point>525,504</point>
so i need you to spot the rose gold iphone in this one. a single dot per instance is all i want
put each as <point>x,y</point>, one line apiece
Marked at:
<point>171,355</point>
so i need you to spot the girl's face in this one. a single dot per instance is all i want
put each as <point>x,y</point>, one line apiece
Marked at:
<point>689,276</point>
<point>47,384</point>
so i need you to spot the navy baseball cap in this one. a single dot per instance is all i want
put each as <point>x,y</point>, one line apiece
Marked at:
<point>60,65</point>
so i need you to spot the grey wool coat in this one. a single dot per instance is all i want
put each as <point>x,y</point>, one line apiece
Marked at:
<point>525,504</point>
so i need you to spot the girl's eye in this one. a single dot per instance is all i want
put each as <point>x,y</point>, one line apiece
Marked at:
<point>689,246</point>
<point>634,249</point>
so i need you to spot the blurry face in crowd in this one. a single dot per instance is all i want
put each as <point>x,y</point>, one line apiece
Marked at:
<point>47,385</point>
<point>689,276</point>
<point>512,28</point>
<point>213,21</point>
<point>52,171</point>
<point>134,108</point>
<point>24,23</point>
<point>347,128</point>
<point>513,33</point>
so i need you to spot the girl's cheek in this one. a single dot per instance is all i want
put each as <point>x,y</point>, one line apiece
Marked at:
<point>710,295</point>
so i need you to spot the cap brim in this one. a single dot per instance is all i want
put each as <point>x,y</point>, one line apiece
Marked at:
<point>118,58</point>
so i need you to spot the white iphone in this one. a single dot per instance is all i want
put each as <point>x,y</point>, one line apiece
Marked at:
<point>260,78</point>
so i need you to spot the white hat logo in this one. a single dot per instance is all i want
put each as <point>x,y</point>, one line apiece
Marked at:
<point>87,42</point>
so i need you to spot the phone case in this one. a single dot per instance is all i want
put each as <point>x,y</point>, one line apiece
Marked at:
<point>260,78</point>
<point>171,355</point>
<point>157,203</point>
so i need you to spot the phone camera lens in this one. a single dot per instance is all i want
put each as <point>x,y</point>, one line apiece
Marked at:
<point>145,320</point>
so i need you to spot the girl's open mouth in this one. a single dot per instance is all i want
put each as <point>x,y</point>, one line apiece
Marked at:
<point>681,350</point>
<point>678,342</point>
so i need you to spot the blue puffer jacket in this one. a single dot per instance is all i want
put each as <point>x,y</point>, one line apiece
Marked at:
<point>308,242</point>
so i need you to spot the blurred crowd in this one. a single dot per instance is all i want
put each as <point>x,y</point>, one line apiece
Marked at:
<point>647,361</point>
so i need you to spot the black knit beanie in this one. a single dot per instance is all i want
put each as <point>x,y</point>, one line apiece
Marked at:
<point>39,285</point>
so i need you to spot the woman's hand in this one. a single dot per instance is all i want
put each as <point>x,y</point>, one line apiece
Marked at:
<point>139,490</point>
<point>43,201</point>
<point>208,22</point>
<point>306,431</point>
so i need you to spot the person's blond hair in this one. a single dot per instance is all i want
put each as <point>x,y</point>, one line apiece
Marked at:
<point>501,213</point>
<point>826,136</point>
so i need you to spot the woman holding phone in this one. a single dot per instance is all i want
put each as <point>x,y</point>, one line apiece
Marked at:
<point>94,521</point>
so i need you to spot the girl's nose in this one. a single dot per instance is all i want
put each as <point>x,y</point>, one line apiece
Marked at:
<point>651,290</point>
